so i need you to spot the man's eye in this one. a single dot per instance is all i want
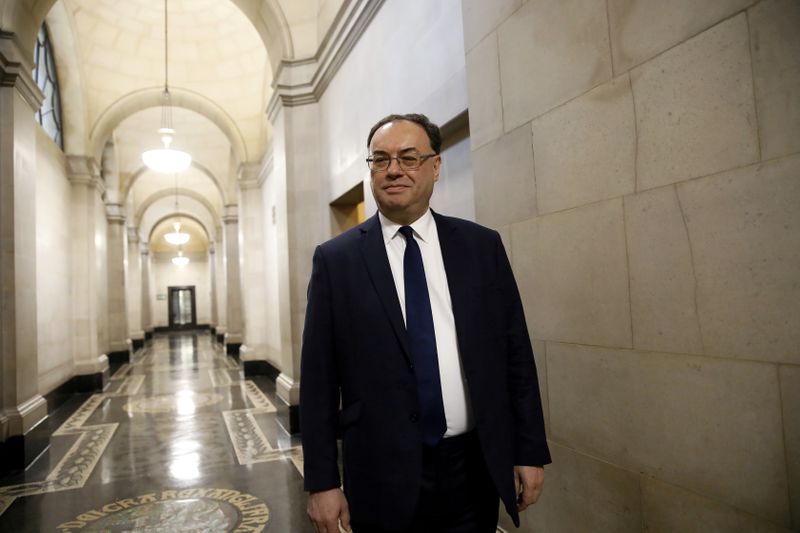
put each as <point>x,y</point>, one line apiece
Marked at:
<point>409,159</point>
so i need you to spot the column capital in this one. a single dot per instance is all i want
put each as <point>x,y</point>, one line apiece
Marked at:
<point>133,235</point>
<point>115,213</point>
<point>15,71</point>
<point>231,215</point>
<point>144,247</point>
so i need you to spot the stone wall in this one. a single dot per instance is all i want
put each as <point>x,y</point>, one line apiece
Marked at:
<point>641,160</point>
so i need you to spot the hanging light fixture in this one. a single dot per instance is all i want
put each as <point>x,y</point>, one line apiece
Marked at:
<point>180,259</point>
<point>177,237</point>
<point>166,160</point>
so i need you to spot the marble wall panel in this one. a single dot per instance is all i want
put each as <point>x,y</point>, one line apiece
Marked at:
<point>663,284</point>
<point>551,51</point>
<point>483,85</point>
<point>790,394</point>
<point>481,17</point>
<point>709,425</point>
<point>505,191</point>
<point>775,46</point>
<point>573,275</point>
<point>642,29</point>
<point>695,110</point>
<point>668,508</point>
<point>744,226</point>
<point>583,494</point>
<point>585,150</point>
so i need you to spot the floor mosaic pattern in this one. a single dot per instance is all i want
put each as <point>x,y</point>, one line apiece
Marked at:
<point>179,441</point>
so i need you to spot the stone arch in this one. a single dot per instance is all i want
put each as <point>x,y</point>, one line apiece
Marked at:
<point>151,97</point>
<point>182,215</point>
<point>136,175</point>
<point>150,200</point>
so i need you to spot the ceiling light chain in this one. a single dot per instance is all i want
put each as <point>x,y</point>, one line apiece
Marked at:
<point>166,160</point>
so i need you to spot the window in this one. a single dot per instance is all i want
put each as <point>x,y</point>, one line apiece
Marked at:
<point>44,74</point>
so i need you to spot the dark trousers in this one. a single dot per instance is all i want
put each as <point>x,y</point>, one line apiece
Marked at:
<point>457,495</point>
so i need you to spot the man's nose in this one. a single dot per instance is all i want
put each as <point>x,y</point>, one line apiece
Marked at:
<point>394,167</point>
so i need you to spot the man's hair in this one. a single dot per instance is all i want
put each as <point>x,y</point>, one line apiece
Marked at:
<point>434,135</point>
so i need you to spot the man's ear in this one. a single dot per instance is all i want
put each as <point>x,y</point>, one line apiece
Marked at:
<point>437,166</point>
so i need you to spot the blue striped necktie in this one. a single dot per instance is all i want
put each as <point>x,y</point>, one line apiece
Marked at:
<point>422,342</point>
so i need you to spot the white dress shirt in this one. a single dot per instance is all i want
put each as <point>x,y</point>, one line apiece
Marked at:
<point>457,410</point>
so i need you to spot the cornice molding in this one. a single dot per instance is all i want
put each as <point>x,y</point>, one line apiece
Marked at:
<point>303,81</point>
<point>15,71</point>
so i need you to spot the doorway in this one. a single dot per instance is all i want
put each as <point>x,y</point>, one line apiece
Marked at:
<point>182,313</point>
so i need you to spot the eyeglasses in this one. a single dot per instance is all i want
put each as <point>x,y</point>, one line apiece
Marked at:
<point>410,160</point>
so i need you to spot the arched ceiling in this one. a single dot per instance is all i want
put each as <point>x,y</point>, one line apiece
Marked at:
<point>198,240</point>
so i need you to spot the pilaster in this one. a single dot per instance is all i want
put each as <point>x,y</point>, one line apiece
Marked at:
<point>89,284</point>
<point>233,335</point>
<point>23,409</point>
<point>117,312</point>
<point>147,323</point>
<point>133,290</point>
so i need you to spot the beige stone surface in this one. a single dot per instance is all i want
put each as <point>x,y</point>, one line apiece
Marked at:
<point>744,227</point>
<point>668,508</point>
<point>505,191</point>
<point>709,425</point>
<point>573,275</point>
<point>663,285</point>
<point>775,46</point>
<point>641,29</point>
<point>583,494</point>
<point>695,111</point>
<point>483,85</point>
<point>585,150</point>
<point>481,18</point>
<point>790,394</point>
<point>551,51</point>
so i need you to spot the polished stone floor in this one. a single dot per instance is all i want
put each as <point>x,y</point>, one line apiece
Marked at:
<point>179,441</point>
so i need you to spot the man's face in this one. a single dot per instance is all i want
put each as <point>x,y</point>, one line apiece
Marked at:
<point>403,195</point>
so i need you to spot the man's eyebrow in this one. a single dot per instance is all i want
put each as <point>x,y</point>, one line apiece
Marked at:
<point>401,151</point>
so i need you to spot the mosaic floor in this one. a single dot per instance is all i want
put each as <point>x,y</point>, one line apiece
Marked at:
<point>178,442</point>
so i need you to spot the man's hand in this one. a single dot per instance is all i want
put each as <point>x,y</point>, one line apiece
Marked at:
<point>326,508</point>
<point>528,481</point>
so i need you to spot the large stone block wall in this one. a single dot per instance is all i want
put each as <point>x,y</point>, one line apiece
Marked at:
<point>641,160</point>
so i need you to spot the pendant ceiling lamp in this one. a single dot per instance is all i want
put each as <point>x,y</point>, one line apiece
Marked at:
<point>180,259</point>
<point>177,237</point>
<point>166,160</point>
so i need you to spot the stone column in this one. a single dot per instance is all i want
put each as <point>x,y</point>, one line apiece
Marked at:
<point>133,290</point>
<point>212,276</point>
<point>221,288</point>
<point>117,312</point>
<point>147,322</point>
<point>91,363</point>
<point>253,352</point>
<point>233,335</point>
<point>23,409</point>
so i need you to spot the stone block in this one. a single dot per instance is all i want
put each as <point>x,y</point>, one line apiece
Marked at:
<point>585,150</point>
<point>790,394</point>
<point>695,110</point>
<point>775,46</point>
<point>663,285</point>
<point>710,425</point>
<point>668,508</point>
<point>744,227</point>
<point>583,494</point>
<point>642,29</point>
<point>483,86</point>
<point>550,52</point>
<point>573,276</point>
<point>504,184</point>
<point>481,18</point>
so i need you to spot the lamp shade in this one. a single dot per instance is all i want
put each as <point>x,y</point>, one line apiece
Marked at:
<point>166,160</point>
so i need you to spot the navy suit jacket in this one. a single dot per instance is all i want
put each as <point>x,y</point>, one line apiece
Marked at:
<point>355,345</point>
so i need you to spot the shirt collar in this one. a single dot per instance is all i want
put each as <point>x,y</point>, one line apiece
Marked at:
<point>422,227</point>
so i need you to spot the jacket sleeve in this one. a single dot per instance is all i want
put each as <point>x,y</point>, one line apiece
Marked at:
<point>530,443</point>
<point>319,386</point>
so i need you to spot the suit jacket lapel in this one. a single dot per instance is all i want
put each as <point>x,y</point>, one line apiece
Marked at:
<point>374,251</point>
<point>457,269</point>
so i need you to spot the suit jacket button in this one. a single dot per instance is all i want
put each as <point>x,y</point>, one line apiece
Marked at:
<point>414,417</point>
<point>411,367</point>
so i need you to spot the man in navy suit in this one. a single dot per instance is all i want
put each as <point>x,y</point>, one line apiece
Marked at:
<point>415,329</point>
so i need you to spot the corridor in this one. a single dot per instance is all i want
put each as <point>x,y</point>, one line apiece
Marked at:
<point>178,441</point>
